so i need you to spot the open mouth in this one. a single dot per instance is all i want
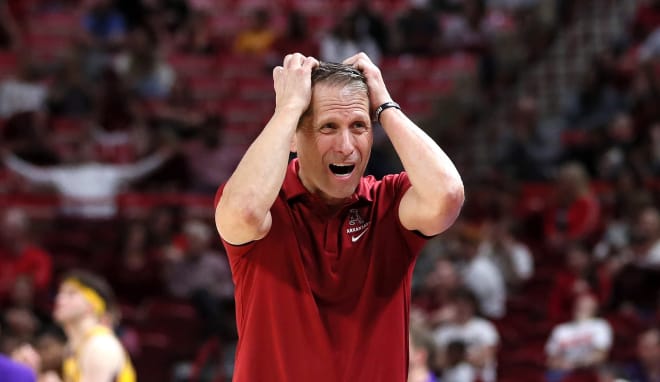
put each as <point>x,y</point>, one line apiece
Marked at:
<point>342,169</point>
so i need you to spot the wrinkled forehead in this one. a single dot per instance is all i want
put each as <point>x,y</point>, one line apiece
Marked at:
<point>349,97</point>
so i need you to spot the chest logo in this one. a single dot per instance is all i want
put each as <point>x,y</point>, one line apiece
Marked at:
<point>357,225</point>
<point>357,237</point>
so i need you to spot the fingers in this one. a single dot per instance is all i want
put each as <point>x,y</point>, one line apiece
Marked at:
<point>310,63</point>
<point>277,72</point>
<point>358,60</point>
<point>296,60</point>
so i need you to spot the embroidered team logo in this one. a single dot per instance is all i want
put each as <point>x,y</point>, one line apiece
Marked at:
<point>357,226</point>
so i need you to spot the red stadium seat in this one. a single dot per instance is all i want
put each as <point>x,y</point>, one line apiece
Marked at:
<point>8,63</point>
<point>193,64</point>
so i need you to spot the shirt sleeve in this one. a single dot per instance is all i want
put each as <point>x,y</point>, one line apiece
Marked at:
<point>28,170</point>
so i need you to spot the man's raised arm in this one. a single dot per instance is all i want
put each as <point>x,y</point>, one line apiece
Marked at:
<point>243,211</point>
<point>435,199</point>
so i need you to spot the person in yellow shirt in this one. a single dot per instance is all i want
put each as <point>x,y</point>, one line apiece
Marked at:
<point>258,38</point>
<point>95,353</point>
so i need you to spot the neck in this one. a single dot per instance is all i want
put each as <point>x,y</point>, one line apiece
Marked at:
<point>76,331</point>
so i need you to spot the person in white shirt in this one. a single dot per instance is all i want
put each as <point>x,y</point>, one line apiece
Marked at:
<point>512,257</point>
<point>88,188</point>
<point>480,274</point>
<point>23,92</point>
<point>458,369</point>
<point>582,343</point>
<point>478,334</point>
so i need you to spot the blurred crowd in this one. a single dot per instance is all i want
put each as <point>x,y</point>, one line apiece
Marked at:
<point>119,119</point>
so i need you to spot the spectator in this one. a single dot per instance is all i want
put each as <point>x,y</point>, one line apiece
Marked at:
<point>480,275</point>
<point>20,257</point>
<point>24,92</point>
<point>620,140</point>
<point>478,334</point>
<point>574,213</point>
<point>646,367</point>
<point>296,38</point>
<point>582,343</point>
<point>530,148</point>
<point>113,103</point>
<point>636,279</point>
<point>369,23</point>
<point>645,238</point>
<point>258,39</point>
<point>418,30</point>
<point>458,369</point>
<point>135,274</point>
<point>469,31</point>
<point>421,355</point>
<point>145,72</point>
<point>179,114</point>
<point>512,257</point>
<point>436,292</point>
<point>343,41</point>
<point>197,36</point>
<point>50,344</point>
<point>597,100</point>
<point>105,25</point>
<point>579,276</point>
<point>70,93</point>
<point>197,272</point>
<point>211,145</point>
<point>627,200</point>
<point>88,187</point>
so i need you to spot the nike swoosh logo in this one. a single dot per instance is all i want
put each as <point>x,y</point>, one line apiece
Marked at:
<point>357,237</point>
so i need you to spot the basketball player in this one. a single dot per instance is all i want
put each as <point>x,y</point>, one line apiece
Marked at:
<point>96,355</point>
<point>321,255</point>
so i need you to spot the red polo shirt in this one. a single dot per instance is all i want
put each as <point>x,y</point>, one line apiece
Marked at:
<point>325,297</point>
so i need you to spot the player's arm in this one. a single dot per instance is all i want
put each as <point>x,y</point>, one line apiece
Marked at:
<point>243,211</point>
<point>433,202</point>
<point>101,359</point>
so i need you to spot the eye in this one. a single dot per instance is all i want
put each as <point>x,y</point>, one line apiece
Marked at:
<point>327,128</point>
<point>360,126</point>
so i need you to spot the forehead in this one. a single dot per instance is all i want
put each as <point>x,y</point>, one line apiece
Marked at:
<point>338,100</point>
<point>67,287</point>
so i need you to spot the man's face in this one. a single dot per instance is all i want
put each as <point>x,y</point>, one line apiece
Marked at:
<point>334,142</point>
<point>70,304</point>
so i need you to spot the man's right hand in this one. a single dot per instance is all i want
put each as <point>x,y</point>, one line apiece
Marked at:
<point>293,83</point>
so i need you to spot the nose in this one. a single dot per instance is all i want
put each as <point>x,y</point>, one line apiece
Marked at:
<point>344,142</point>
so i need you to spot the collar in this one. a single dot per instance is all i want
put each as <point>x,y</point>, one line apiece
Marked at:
<point>293,187</point>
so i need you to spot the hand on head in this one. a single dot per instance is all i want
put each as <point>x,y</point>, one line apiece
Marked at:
<point>293,82</point>
<point>378,93</point>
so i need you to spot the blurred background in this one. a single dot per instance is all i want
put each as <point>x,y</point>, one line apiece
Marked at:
<point>119,119</point>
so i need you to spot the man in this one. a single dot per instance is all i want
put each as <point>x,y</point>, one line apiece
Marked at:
<point>81,305</point>
<point>477,334</point>
<point>88,187</point>
<point>21,260</point>
<point>579,345</point>
<point>321,256</point>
